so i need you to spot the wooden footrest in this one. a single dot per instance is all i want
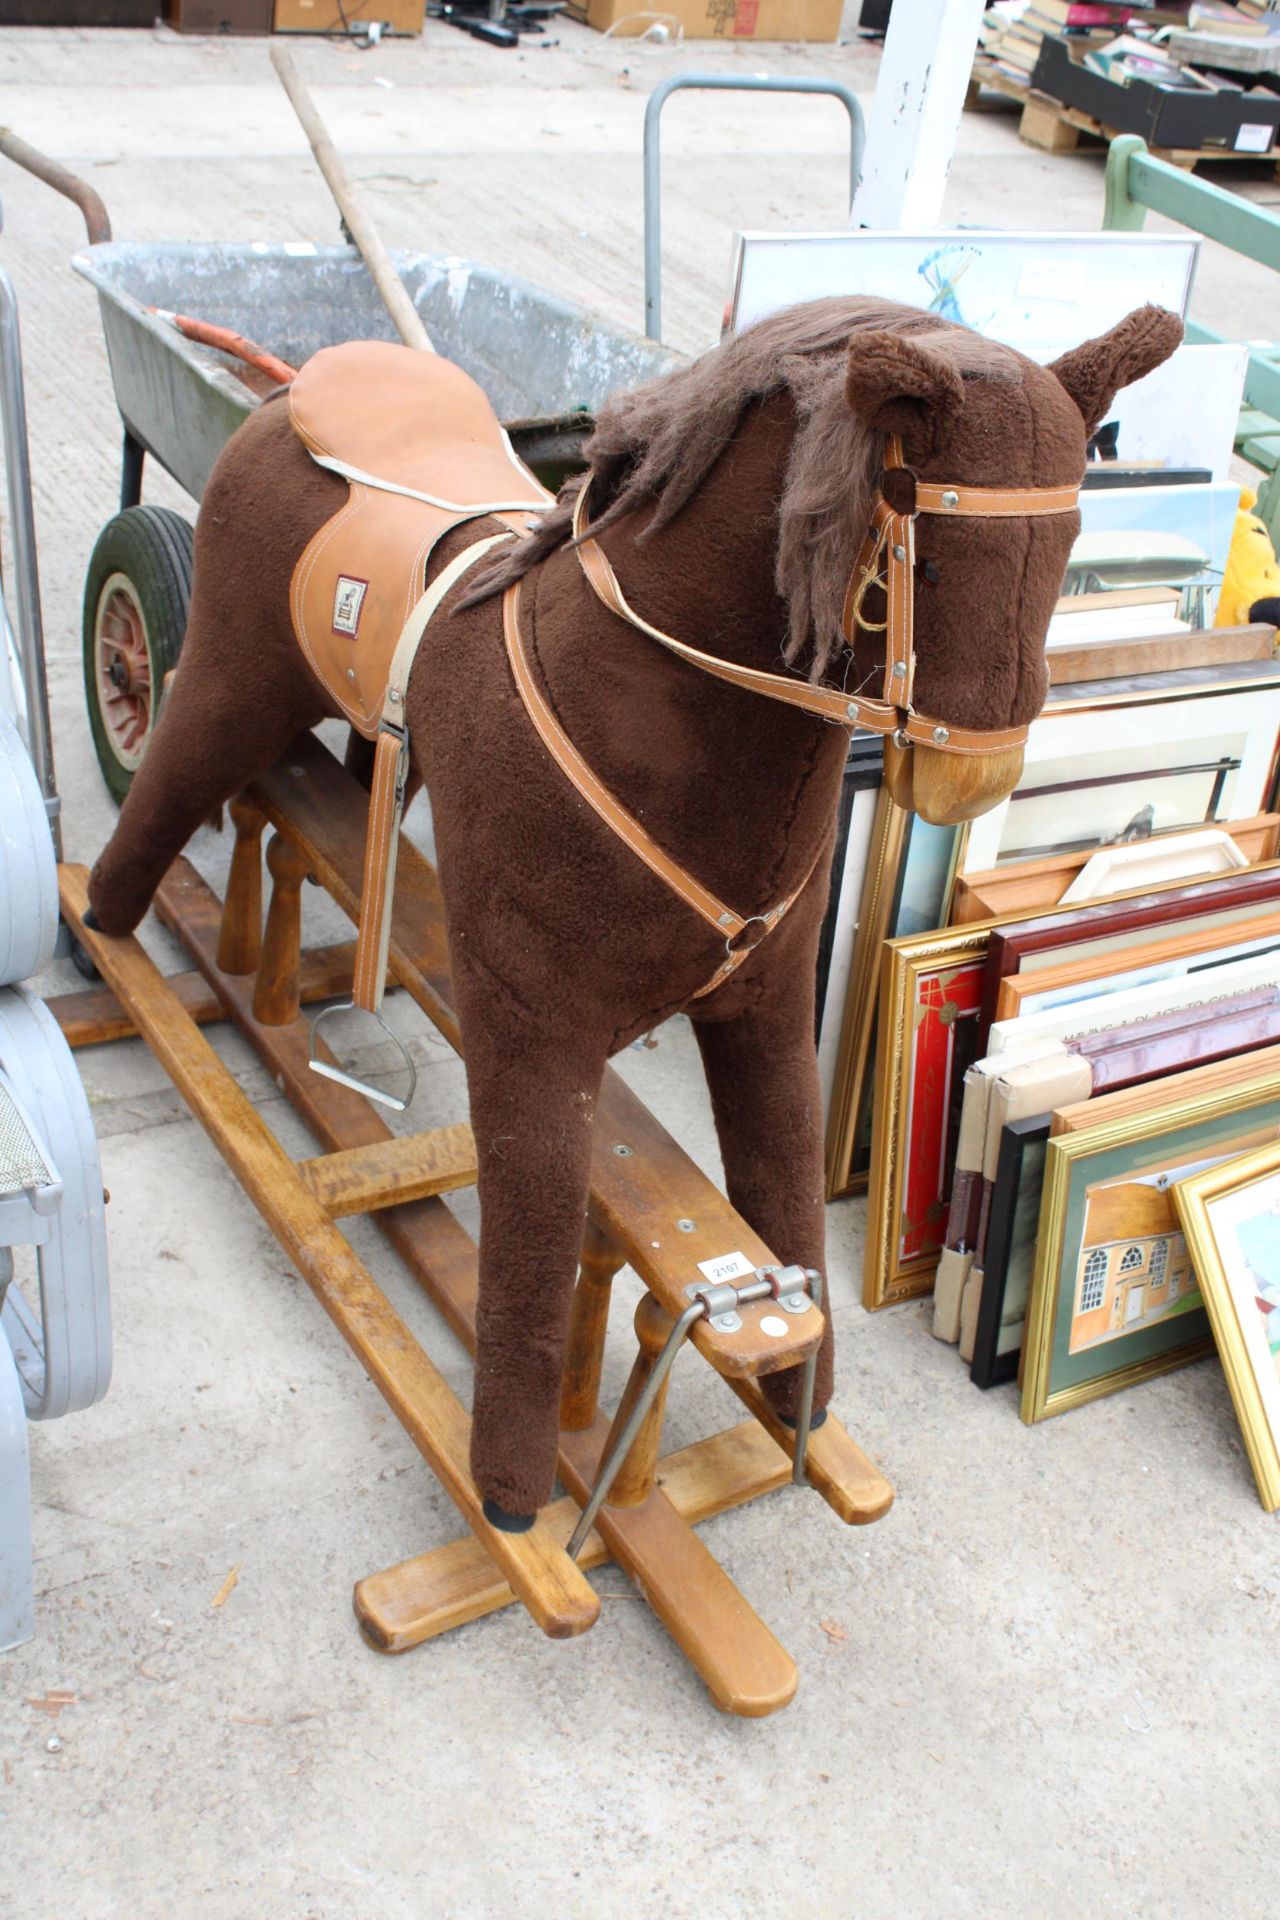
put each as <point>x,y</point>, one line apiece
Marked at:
<point>387,1173</point>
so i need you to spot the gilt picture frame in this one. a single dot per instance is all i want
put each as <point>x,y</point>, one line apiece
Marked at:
<point>1230,1215</point>
<point>1113,1296</point>
<point>908,877</point>
<point>930,994</point>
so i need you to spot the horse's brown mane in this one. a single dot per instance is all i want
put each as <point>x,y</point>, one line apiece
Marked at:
<point>659,442</point>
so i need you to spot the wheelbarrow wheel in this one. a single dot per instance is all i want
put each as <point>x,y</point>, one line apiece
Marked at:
<point>135,614</point>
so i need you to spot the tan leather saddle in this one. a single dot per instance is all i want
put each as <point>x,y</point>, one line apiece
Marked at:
<point>423,452</point>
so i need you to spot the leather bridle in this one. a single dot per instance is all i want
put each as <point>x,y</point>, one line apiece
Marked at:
<point>886,560</point>
<point>890,544</point>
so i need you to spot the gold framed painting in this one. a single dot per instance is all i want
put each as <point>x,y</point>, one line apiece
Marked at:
<point>1230,1215</point>
<point>930,997</point>
<point>1114,1297</point>
<point>906,889</point>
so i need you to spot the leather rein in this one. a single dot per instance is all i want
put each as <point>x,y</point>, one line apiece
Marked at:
<point>886,560</point>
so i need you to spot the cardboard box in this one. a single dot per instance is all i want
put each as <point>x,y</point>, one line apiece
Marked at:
<point>325,16</point>
<point>218,16</point>
<point>77,13</point>
<point>722,19</point>
<point>1165,116</point>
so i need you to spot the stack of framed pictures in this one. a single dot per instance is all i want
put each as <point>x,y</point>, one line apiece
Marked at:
<point>1050,1038</point>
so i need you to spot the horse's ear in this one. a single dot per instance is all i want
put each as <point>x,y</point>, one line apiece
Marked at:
<point>902,387</point>
<point>1094,373</point>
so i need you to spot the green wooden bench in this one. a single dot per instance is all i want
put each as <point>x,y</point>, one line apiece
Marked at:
<point>1138,183</point>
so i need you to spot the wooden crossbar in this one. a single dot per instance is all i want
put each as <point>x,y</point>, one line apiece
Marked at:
<point>385,1173</point>
<point>93,1015</point>
<point>434,1592</point>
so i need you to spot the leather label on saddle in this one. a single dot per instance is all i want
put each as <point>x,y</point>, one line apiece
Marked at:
<point>348,599</point>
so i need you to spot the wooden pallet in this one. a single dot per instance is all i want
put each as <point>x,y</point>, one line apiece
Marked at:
<point>259,981</point>
<point>1056,128</point>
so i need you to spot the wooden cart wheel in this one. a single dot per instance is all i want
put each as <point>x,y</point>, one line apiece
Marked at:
<point>135,614</point>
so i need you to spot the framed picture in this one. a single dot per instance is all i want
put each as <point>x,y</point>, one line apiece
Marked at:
<point>1042,293</point>
<point>1114,1299</point>
<point>859,794</point>
<point>1028,946</point>
<point>1198,754</point>
<point>930,992</point>
<point>1198,950</point>
<point>1040,885</point>
<point>1010,1254</point>
<point>1156,536</point>
<point>1230,1214</point>
<point>1181,1085</point>
<point>907,882</point>
<point>1184,414</point>
<point>1257,973</point>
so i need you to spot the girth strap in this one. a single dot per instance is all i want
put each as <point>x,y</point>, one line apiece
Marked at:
<point>736,930</point>
<point>390,777</point>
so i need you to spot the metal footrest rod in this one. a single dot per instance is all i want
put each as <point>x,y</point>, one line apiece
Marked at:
<point>779,1283</point>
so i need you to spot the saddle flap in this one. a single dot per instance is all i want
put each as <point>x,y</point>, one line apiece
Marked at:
<point>411,423</point>
<point>424,452</point>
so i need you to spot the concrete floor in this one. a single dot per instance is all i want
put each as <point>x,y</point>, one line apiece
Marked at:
<point>1046,1683</point>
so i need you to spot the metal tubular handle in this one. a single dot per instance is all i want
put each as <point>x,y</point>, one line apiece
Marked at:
<point>96,220</point>
<point>709,1300</point>
<point>28,623</point>
<point>720,83</point>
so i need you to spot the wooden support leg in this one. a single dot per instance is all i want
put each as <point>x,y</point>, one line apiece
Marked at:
<point>634,1482</point>
<point>276,995</point>
<point>587,1327</point>
<point>240,937</point>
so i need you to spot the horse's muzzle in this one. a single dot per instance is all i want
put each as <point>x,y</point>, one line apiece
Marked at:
<point>946,788</point>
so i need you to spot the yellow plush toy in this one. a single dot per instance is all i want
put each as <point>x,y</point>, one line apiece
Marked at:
<point>1251,582</point>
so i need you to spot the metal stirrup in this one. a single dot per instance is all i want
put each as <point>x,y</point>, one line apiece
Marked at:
<point>350,1080</point>
<point>709,1300</point>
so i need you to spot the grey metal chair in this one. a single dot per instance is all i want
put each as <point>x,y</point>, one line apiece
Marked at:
<point>55,1320</point>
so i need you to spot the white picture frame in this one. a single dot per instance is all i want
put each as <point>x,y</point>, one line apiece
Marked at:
<point>1042,293</point>
<point>1035,1032</point>
<point>1184,414</point>
<point>1177,738</point>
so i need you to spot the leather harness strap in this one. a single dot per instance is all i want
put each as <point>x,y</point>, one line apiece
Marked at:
<point>891,535</point>
<point>890,539</point>
<point>390,778</point>
<point>736,930</point>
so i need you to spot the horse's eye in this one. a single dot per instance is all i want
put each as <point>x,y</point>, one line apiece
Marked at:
<point>930,571</point>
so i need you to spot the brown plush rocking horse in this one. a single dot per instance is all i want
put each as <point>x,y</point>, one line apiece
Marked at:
<point>850,486</point>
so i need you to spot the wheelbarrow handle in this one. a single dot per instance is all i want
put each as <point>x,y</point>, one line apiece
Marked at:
<point>62,180</point>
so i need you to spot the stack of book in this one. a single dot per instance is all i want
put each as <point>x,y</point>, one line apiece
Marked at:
<point>1011,37</point>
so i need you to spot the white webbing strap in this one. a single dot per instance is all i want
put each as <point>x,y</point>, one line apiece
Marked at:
<point>390,777</point>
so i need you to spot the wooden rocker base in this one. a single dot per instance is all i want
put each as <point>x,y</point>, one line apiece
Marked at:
<point>364,1167</point>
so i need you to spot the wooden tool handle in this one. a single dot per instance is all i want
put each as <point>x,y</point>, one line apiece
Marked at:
<point>359,225</point>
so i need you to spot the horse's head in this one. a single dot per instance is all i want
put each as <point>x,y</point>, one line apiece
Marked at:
<point>979,573</point>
